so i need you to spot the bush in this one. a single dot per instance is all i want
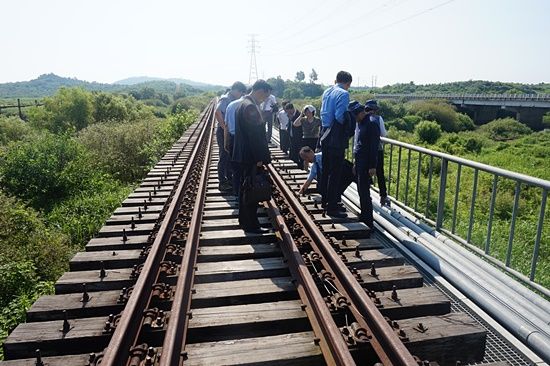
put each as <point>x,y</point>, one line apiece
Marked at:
<point>25,238</point>
<point>407,123</point>
<point>438,111</point>
<point>16,278</point>
<point>195,102</point>
<point>71,109</point>
<point>465,123</point>
<point>428,131</point>
<point>13,129</point>
<point>293,93</point>
<point>505,129</point>
<point>81,216</point>
<point>119,148</point>
<point>167,131</point>
<point>391,110</point>
<point>46,169</point>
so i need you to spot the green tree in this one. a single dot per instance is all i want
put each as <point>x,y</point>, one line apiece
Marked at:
<point>293,93</point>
<point>71,109</point>
<point>46,169</point>
<point>505,129</point>
<point>313,76</point>
<point>428,131</point>
<point>300,76</point>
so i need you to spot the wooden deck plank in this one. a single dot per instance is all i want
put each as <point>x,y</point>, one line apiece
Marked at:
<point>111,259</point>
<point>240,270</point>
<point>115,279</point>
<point>400,276</point>
<point>243,292</point>
<point>115,243</point>
<point>237,236</point>
<point>299,350</point>
<point>244,321</point>
<point>237,252</point>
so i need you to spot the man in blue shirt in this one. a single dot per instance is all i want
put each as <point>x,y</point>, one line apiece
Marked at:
<point>309,156</point>
<point>224,172</point>
<point>334,141</point>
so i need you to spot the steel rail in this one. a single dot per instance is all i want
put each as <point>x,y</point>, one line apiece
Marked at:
<point>127,330</point>
<point>334,348</point>
<point>384,341</point>
<point>176,332</point>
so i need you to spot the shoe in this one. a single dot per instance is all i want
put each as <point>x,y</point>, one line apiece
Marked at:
<point>385,201</point>
<point>337,214</point>
<point>225,187</point>
<point>341,207</point>
<point>258,230</point>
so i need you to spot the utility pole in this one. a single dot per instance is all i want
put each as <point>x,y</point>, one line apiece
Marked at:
<point>252,48</point>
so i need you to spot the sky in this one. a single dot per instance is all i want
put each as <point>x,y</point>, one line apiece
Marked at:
<point>381,41</point>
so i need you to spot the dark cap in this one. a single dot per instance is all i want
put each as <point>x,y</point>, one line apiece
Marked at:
<point>371,105</point>
<point>237,85</point>
<point>355,107</point>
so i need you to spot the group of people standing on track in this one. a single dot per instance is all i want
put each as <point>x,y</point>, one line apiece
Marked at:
<point>245,121</point>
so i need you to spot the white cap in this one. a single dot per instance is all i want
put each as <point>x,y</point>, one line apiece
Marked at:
<point>310,107</point>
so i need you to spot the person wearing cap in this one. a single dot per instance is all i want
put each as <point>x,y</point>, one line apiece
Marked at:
<point>224,170</point>
<point>365,151</point>
<point>371,107</point>
<point>250,149</point>
<point>311,125</point>
<point>335,133</point>
<point>284,135</point>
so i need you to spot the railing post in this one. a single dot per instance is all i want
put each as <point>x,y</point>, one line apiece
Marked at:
<point>538,237</point>
<point>442,188</point>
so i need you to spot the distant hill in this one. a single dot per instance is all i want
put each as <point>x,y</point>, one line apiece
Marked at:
<point>143,79</point>
<point>48,84</point>
<point>467,87</point>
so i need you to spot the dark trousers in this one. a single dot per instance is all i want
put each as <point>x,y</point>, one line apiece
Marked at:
<point>224,173</point>
<point>285,140</point>
<point>236,172</point>
<point>333,160</point>
<point>248,213</point>
<point>363,186</point>
<point>311,142</point>
<point>381,179</point>
<point>295,146</point>
<point>268,118</point>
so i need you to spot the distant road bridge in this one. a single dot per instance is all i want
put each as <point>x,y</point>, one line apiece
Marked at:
<point>526,108</point>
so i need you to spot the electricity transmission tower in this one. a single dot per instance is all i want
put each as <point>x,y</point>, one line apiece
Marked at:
<point>252,48</point>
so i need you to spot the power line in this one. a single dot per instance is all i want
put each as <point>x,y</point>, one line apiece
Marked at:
<point>253,69</point>
<point>308,27</point>
<point>351,23</point>
<point>372,31</point>
<point>288,25</point>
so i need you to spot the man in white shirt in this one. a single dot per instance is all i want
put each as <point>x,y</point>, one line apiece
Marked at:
<point>268,109</point>
<point>284,135</point>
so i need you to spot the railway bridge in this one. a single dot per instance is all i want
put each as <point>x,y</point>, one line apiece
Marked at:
<point>482,108</point>
<point>170,279</point>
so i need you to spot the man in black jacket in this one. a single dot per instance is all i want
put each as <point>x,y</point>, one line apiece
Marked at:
<point>250,149</point>
<point>365,150</point>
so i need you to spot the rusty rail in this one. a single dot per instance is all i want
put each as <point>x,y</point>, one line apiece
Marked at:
<point>127,330</point>
<point>176,333</point>
<point>333,346</point>
<point>385,342</point>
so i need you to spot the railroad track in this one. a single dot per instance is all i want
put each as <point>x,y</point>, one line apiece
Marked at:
<point>171,279</point>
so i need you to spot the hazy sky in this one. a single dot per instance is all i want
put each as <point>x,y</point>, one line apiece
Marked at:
<point>425,41</point>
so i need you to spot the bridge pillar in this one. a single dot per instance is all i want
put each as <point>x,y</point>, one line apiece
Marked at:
<point>485,114</point>
<point>531,116</point>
